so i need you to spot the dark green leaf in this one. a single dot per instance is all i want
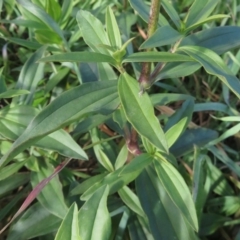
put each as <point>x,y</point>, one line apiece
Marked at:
<point>191,137</point>
<point>218,39</point>
<point>69,107</point>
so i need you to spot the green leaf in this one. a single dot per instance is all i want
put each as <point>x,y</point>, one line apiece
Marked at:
<point>9,170</point>
<point>218,39</point>
<point>166,98</point>
<point>93,32</point>
<point>67,7</point>
<point>206,20</point>
<point>69,228</point>
<point>53,9</point>
<point>177,190</point>
<point>84,186</point>
<point>36,221</point>
<point>12,182</point>
<point>139,112</point>
<point>79,57</point>
<point>67,108</point>
<point>101,156</point>
<point>47,36</point>
<point>30,75</point>
<point>93,218</point>
<point>219,183</point>
<point>165,35</point>
<point>178,122</point>
<point>56,78</point>
<point>170,10</point>
<point>13,122</point>
<point>214,65</point>
<point>199,11</point>
<point>51,196</point>
<point>223,157</point>
<point>137,229</point>
<point>175,70</point>
<point>165,219</point>
<point>131,200</point>
<point>112,29</point>
<point>191,137</point>
<point>13,93</point>
<point>88,123</point>
<point>39,13</point>
<point>157,57</point>
<point>199,193</point>
<point>121,177</point>
<point>121,158</point>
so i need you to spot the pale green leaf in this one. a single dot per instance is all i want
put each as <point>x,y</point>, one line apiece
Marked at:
<point>93,218</point>
<point>131,200</point>
<point>112,29</point>
<point>177,190</point>
<point>69,228</point>
<point>93,32</point>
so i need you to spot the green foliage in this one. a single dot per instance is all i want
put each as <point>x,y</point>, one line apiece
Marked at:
<point>131,163</point>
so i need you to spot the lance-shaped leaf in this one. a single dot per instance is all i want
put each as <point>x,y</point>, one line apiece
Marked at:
<point>157,57</point>
<point>112,29</point>
<point>140,113</point>
<point>177,190</point>
<point>93,218</point>
<point>13,93</point>
<point>165,35</point>
<point>91,97</point>
<point>200,10</point>
<point>79,57</point>
<point>165,219</point>
<point>179,121</point>
<point>93,32</point>
<point>122,176</point>
<point>50,195</point>
<point>42,16</point>
<point>13,122</point>
<point>218,39</point>
<point>69,228</point>
<point>214,65</point>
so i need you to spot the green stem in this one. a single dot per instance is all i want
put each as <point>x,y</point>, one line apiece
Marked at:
<point>152,25</point>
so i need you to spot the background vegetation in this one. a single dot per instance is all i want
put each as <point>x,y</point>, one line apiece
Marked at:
<point>87,152</point>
